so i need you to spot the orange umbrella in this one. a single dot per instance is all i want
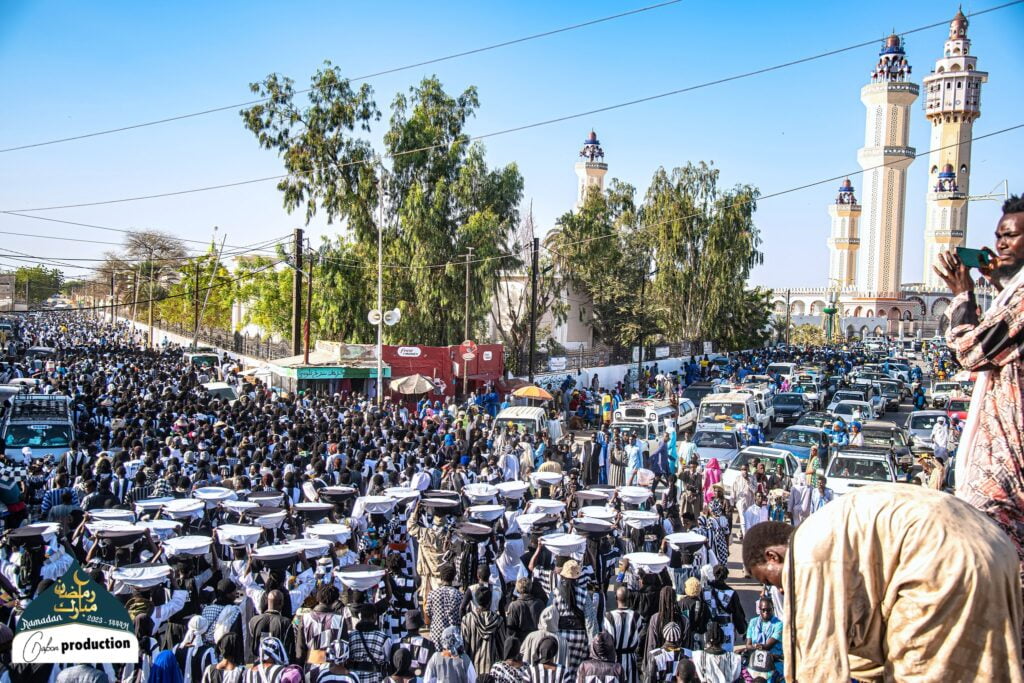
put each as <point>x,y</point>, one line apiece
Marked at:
<point>533,392</point>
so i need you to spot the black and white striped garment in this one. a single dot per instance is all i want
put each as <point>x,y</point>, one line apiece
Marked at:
<point>624,626</point>
<point>576,639</point>
<point>661,665</point>
<point>538,673</point>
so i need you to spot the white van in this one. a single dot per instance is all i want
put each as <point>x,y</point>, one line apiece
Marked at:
<point>765,413</point>
<point>786,370</point>
<point>530,419</point>
<point>726,410</point>
<point>647,419</point>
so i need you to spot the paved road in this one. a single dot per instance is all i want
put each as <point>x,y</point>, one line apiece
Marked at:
<point>749,589</point>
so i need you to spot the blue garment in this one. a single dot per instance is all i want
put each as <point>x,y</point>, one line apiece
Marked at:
<point>673,451</point>
<point>659,459</point>
<point>165,669</point>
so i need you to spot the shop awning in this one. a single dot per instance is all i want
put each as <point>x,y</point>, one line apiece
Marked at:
<point>324,365</point>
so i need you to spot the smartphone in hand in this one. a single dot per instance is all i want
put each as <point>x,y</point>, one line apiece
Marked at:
<point>972,258</point>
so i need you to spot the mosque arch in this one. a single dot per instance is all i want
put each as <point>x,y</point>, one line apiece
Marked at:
<point>779,307</point>
<point>921,306</point>
<point>939,306</point>
<point>863,331</point>
<point>851,332</point>
<point>857,311</point>
<point>817,306</point>
<point>870,314</point>
<point>879,331</point>
<point>907,315</point>
<point>797,308</point>
<point>894,313</point>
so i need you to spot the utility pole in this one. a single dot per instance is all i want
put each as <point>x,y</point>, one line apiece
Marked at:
<point>640,335</point>
<point>195,306</point>
<point>469,256</point>
<point>380,293</point>
<point>297,293</point>
<point>533,302</point>
<point>788,318</point>
<point>113,300</point>
<point>150,297</point>
<point>309,309</point>
<point>135,293</point>
<point>26,291</point>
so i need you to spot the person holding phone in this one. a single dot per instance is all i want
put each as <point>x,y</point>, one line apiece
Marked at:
<point>990,459</point>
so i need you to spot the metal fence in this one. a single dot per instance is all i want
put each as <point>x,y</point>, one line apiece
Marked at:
<point>253,346</point>
<point>518,360</point>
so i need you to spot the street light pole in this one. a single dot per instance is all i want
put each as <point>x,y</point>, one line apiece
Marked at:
<point>309,308</point>
<point>469,257</point>
<point>533,303</point>
<point>788,318</point>
<point>380,294</point>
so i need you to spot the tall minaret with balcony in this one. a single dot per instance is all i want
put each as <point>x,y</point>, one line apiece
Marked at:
<point>590,169</point>
<point>845,238</point>
<point>952,103</point>
<point>885,158</point>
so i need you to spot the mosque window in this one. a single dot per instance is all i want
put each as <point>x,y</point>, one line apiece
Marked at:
<point>959,84</point>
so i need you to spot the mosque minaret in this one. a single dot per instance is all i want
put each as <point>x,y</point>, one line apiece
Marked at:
<point>952,103</point>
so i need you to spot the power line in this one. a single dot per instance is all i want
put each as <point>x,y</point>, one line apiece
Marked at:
<point>436,60</point>
<point>125,231</point>
<point>516,129</point>
<point>793,189</point>
<point>264,247</point>
<point>201,290</point>
<point>394,266</point>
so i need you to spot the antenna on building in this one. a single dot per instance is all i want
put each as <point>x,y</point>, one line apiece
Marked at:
<point>992,194</point>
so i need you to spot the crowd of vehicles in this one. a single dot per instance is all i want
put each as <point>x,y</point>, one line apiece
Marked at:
<point>797,420</point>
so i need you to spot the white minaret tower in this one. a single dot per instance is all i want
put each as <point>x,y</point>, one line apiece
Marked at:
<point>845,238</point>
<point>590,169</point>
<point>885,158</point>
<point>952,103</point>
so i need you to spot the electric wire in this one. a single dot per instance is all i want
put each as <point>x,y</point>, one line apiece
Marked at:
<point>516,129</point>
<point>428,62</point>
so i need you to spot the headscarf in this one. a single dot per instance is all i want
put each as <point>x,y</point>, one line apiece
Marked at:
<point>548,619</point>
<point>673,634</point>
<point>510,648</point>
<point>712,476</point>
<point>272,650</point>
<point>451,640</point>
<point>603,648</point>
<point>165,669</point>
<point>197,628</point>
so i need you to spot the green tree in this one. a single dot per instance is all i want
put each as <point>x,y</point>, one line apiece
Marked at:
<point>438,198</point>
<point>704,244</point>
<point>39,281</point>
<point>747,323</point>
<point>807,335</point>
<point>604,256</point>
<point>214,294</point>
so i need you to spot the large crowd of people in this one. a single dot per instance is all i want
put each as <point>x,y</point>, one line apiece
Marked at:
<point>302,536</point>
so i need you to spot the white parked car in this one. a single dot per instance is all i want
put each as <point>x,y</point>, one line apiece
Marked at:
<point>851,468</point>
<point>942,391</point>
<point>769,456</point>
<point>687,415</point>
<point>854,410</point>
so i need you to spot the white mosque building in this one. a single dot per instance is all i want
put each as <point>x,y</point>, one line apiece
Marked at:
<point>866,240</point>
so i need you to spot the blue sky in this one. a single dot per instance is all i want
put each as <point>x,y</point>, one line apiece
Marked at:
<point>70,68</point>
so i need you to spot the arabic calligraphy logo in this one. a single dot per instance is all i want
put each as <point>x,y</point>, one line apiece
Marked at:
<point>74,602</point>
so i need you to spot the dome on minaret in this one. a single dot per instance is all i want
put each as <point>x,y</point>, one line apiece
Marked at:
<point>846,193</point>
<point>947,171</point>
<point>958,27</point>
<point>592,148</point>
<point>893,45</point>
